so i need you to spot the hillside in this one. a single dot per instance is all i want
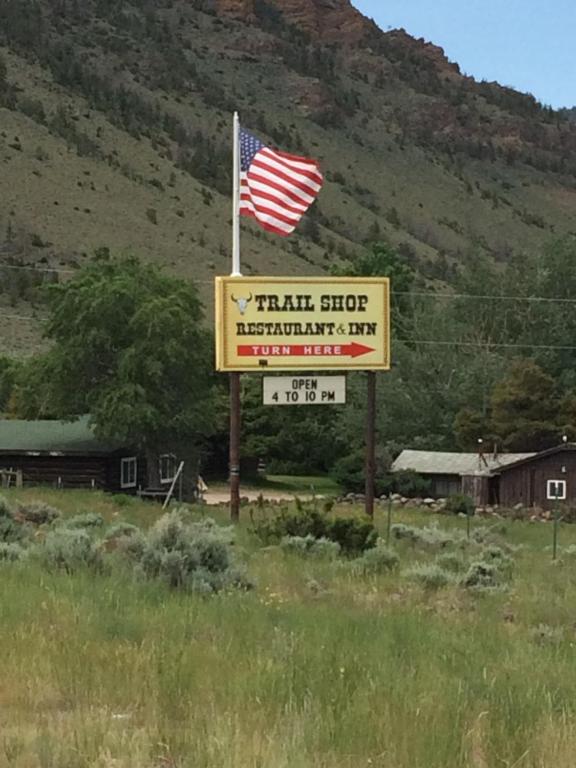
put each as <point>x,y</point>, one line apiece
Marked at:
<point>115,132</point>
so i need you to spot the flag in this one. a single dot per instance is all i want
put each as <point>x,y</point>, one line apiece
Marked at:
<point>276,188</point>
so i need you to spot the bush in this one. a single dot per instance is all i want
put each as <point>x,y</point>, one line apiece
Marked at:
<point>430,537</point>
<point>11,552</point>
<point>430,576</point>
<point>37,513</point>
<point>381,559</point>
<point>308,546</point>
<point>84,520</point>
<point>194,556</point>
<point>459,504</point>
<point>482,575</point>
<point>120,529</point>
<point>450,561</point>
<point>496,556</point>
<point>11,531</point>
<point>352,534</point>
<point>411,484</point>
<point>69,550</point>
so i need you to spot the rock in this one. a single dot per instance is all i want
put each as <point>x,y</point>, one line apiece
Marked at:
<point>429,502</point>
<point>441,502</point>
<point>417,502</point>
<point>518,507</point>
<point>396,497</point>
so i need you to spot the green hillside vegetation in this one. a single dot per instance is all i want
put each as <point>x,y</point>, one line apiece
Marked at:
<point>115,124</point>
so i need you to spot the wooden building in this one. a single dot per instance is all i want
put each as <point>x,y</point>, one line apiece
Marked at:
<point>69,455</point>
<point>506,479</point>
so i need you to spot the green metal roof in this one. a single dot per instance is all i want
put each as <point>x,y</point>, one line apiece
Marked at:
<point>64,437</point>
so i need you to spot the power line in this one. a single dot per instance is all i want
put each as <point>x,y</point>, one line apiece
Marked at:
<point>485,344</point>
<point>420,294</point>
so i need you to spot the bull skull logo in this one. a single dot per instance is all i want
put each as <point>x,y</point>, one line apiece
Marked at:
<point>242,303</point>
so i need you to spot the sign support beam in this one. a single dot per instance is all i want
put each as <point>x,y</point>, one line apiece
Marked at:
<point>370,470</point>
<point>235,447</point>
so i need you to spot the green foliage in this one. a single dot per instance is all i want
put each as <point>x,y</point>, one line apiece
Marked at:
<point>90,520</point>
<point>309,546</point>
<point>429,537</point>
<point>409,483</point>
<point>430,576</point>
<point>460,504</point>
<point>128,348</point>
<point>352,534</point>
<point>37,513</point>
<point>10,553</point>
<point>121,529</point>
<point>451,561</point>
<point>482,575</point>
<point>11,530</point>
<point>190,556</point>
<point>380,559</point>
<point>8,374</point>
<point>69,550</point>
<point>524,410</point>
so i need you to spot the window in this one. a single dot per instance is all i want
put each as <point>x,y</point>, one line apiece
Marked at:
<point>556,489</point>
<point>167,467</point>
<point>128,472</point>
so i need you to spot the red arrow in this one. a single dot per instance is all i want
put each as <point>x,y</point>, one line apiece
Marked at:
<point>304,350</point>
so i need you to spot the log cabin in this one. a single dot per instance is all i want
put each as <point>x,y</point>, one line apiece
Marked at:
<point>64,454</point>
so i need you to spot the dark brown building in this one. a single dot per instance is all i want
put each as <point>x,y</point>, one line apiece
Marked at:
<point>530,479</point>
<point>537,481</point>
<point>69,455</point>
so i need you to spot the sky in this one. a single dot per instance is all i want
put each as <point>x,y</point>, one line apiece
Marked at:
<point>526,44</point>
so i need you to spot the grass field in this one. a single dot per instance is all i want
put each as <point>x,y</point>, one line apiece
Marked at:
<point>318,666</point>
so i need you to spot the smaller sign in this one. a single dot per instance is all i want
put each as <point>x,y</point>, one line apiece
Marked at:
<point>304,390</point>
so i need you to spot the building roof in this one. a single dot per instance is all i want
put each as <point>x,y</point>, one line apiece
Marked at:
<point>444,463</point>
<point>56,437</point>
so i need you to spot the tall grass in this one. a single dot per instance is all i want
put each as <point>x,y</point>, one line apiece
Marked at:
<point>319,667</point>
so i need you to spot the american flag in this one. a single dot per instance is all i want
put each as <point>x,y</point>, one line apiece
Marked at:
<point>276,188</point>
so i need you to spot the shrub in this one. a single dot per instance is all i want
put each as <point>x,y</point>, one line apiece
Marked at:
<point>410,483</point>
<point>381,559</point>
<point>308,546</point>
<point>429,537</point>
<point>450,561</point>
<point>37,513</point>
<point>122,499</point>
<point>194,556</point>
<point>497,557</point>
<point>119,529</point>
<point>11,531</point>
<point>84,520</point>
<point>459,504</point>
<point>482,575</point>
<point>430,576</point>
<point>69,550</point>
<point>11,552</point>
<point>352,534</point>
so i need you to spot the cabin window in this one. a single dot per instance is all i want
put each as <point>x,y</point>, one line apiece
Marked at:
<point>128,472</point>
<point>556,489</point>
<point>167,467</point>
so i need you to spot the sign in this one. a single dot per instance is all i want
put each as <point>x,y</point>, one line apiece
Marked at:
<point>304,390</point>
<point>302,324</point>
<point>556,490</point>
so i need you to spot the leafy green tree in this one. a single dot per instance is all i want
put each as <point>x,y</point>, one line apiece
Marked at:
<point>8,373</point>
<point>525,408</point>
<point>128,348</point>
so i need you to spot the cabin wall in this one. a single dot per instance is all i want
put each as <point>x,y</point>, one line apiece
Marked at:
<point>527,483</point>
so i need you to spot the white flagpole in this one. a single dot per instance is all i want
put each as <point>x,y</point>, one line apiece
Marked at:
<point>236,201</point>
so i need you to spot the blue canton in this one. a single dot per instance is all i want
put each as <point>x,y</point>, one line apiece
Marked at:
<point>249,148</point>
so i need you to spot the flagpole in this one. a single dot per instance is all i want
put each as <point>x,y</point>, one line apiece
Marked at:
<point>236,272</point>
<point>235,377</point>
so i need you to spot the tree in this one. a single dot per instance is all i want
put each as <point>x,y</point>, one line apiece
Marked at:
<point>129,349</point>
<point>525,408</point>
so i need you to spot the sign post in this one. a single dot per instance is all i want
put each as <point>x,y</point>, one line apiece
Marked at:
<point>555,491</point>
<point>370,444</point>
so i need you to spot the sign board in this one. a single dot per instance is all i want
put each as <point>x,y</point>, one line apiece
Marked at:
<point>302,324</point>
<point>556,490</point>
<point>304,390</point>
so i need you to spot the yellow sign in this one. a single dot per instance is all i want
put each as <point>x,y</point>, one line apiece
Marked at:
<point>299,324</point>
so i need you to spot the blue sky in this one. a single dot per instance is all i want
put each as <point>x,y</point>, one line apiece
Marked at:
<point>527,44</point>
